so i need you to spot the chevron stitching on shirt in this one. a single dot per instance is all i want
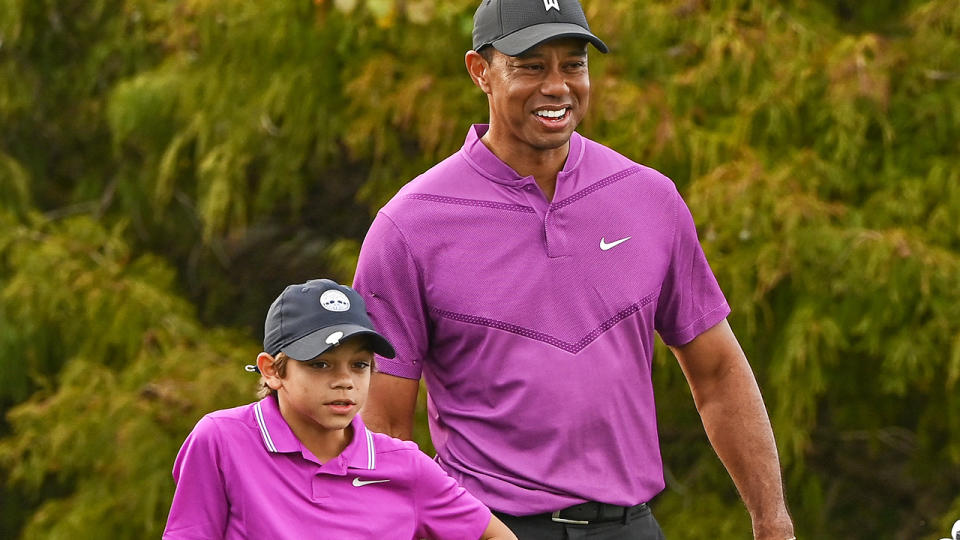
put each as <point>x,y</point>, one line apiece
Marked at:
<point>258,413</point>
<point>572,348</point>
<point>471,202</point>
<point>616,177</point>
<point>371,453</point>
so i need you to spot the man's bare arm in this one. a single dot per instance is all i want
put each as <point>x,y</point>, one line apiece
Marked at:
<point>728,399</point>
<point>390,405</point>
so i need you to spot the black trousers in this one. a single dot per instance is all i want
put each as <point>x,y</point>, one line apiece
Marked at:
<point>638,525</point>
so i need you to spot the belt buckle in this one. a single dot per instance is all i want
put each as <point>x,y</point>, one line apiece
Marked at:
<point>556,517</point>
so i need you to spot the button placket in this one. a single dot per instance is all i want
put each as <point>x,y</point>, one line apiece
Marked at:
<point>554,236</point>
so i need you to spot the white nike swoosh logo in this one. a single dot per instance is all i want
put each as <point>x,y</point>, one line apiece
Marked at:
<point>605,246</point>
<point>360,483</point>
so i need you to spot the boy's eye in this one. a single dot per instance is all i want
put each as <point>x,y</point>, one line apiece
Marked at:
<point>361,365</point>
<point>318,365</point>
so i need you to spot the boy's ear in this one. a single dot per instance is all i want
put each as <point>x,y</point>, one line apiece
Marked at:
<point>268,372</point>
<point>478,68</point>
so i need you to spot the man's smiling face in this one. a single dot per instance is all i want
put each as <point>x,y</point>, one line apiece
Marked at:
<point>537,99</point>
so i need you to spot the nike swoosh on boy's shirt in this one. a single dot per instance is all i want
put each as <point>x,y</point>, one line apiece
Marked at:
<point>605,246</point>
<point>357,482</point>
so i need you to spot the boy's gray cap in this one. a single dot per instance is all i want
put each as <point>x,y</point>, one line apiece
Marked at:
<point>307,319</point>
<point>516,26</point>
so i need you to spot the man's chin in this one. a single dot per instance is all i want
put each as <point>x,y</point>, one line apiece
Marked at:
<point>554,141</point>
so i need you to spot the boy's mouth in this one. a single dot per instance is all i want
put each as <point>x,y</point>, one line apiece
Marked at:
<point>341,405</point>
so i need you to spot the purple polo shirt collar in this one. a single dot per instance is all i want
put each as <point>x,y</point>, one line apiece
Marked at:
<point>279,438</point>
<point>489,165</point>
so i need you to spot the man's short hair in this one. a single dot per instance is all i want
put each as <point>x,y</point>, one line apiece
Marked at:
<point>487,53</point>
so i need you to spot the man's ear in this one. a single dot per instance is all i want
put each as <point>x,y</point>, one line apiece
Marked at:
<point>268,372</point>
<point>479,70</point>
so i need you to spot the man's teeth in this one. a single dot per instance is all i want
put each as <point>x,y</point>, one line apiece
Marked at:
<point>552,114</point>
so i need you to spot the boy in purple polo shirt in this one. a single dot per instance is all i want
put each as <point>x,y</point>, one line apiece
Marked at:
<point>300,463</point>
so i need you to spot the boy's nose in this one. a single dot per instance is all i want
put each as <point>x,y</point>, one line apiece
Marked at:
<point>342,379</point>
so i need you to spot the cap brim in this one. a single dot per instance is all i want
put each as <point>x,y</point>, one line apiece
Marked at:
<point>312,345</point>
<point>527,38</point>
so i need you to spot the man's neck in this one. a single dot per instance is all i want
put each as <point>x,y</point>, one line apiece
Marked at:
<point>542,165</point>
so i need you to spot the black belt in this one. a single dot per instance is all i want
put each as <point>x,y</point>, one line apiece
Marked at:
<point>592,512</point>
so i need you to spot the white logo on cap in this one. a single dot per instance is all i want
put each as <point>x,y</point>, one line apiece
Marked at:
<point>551,4</point>
<point>334,300</point>
<point>334,338</point>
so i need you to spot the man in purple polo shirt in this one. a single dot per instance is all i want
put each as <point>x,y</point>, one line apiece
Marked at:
<point>523,278</point>
<point>299,463</point>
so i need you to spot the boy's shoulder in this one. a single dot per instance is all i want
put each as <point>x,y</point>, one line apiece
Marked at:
<point>397,452</point>
<point>404,463</point>
<point>223,421</point>
<point>240,413</point>
<point>385,444</point>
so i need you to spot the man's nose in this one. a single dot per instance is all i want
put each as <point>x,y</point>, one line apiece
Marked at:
<point>554,83</point>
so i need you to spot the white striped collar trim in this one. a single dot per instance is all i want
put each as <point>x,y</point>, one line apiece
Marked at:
<point>268,441</point>
<point>258,412</point>
<point>371,452</point>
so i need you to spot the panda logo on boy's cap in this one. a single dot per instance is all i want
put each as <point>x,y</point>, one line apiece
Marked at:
<point>334,300</point>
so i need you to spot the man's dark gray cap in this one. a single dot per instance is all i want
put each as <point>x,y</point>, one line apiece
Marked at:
<point>310,318</point>
<point>515,26</point>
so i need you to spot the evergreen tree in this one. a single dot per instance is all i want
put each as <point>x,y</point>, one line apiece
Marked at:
<point>167,167</point>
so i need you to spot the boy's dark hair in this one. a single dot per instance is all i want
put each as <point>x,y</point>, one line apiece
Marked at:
<point>280,365</point>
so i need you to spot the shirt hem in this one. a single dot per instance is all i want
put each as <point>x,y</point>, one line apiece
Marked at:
<point>398,369</point>
<point>706,321</point>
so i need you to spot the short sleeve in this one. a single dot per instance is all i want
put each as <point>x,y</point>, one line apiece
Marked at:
<point>691,301</point>
<point>444,509</point>
<point>200,507</point>
<point>392,287</point>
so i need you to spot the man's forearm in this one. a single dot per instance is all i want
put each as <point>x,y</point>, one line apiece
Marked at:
<point>738,427</point>
<point>735,419</point>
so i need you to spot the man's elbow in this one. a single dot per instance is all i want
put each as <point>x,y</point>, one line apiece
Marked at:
<point>390,405</point>
<point>393,427</point>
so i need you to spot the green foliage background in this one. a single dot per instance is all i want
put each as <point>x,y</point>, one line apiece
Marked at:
<point>166,167</point>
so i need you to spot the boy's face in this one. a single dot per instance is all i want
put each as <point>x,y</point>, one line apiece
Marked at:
<point>327,392</point>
